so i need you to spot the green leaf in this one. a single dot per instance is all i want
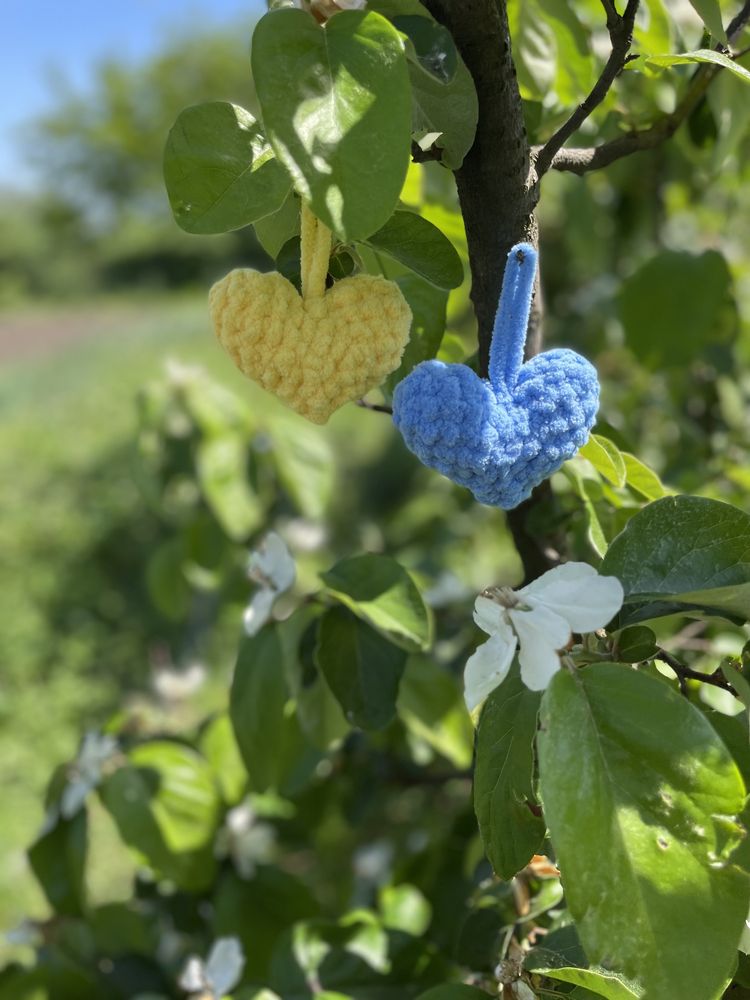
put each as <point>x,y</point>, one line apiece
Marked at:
<point>534,49</point>
<point>448,110</point>
<point>642,479</point>
<point>420,246</point>
<point>381,592</point>
<point>58,860</point>
<point>361,667</point>
<point>635,644</point>
<point>504,774</point>
<point>683,552</point>
<point>575,70</point>
<point>642,828</point>
<point>709,12</point>
<point>337,109</point>
<point>219,746</point>
<point>678,306</point>
<point>166,807</point>
<point>267,732</point>
<point>431,707</point>
<point>318,711</point>
<point>221,464</point>
<point>702,56</point>
<point>304,463</point>
<point>276,229</point>
<point>221,174</point>
<point>428,305</point>
<point>431,46</point>
<point>600,983</point>
<point>606,459</point>
<point>166,581</point>
<point>258,910</point>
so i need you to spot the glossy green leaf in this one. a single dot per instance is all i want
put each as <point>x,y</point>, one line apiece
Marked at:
<point>642,479</point>
<point>599,983</point>
<point>702,56</point>
<point>58,860</point>
<point>448,110</point>
<point>643,828</point>
<point>683,551</point>
<point>276,229</point>
<point>165,804</point>
<point>267,732</point>
<point>431,706</point>
<point>221,173</point>
<point>362,668</point>
<point>221,464</point>
<point>420,246</point>
<point>428,312</point>
<point>606,459</point>
<point>503,777</point>
<point>381,592</point>
<point>676,306</point>
<point>336,106</point>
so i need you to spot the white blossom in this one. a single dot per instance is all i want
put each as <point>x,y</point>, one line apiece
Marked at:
<point>273,568</point>
<point>220,972</point>
<point>538,620</point>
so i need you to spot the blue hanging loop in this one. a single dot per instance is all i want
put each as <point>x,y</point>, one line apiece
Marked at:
<point>512,317</point>
<point>502,436</point>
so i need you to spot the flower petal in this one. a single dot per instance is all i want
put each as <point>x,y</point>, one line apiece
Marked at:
<point>577,593</point>
<point>541,633</point>
<point>258,611</point>
<point>272,563</point>
<point>488,666</point>
<point>490,616</point>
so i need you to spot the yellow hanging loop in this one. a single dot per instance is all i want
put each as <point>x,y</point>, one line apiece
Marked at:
<point>316,240</point>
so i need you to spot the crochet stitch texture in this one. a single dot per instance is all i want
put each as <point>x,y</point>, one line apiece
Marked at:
<point>501,436</point>
<point>319,350</point>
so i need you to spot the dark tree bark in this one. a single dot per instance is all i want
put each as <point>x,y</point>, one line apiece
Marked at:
<point>497,191</point>
<point>497,198</point>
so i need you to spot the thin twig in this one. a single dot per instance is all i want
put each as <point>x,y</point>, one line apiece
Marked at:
<point>581,161</point>
<point>621,37</point>
<point>375,407</point>
<point>685,674</point>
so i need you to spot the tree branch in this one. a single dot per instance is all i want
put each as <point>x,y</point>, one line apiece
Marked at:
<point>684,674</point>
<point>497,200</point>
<point>498,195</point>
<point>581,161</point>
<point>621,37</point>
<point>375,407</point>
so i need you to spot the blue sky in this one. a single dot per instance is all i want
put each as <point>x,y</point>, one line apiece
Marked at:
<point>69,36</point>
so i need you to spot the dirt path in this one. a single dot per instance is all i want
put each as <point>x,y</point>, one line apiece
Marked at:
<point>43,331</point>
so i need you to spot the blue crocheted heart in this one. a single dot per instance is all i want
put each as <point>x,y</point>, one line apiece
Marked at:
<point>501,436</point>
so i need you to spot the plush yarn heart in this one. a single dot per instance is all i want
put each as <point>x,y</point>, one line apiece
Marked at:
<point>501,436</point>
<point>318,350</point>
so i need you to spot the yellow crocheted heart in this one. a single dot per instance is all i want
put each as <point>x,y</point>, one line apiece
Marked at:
<point>318,350</point>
